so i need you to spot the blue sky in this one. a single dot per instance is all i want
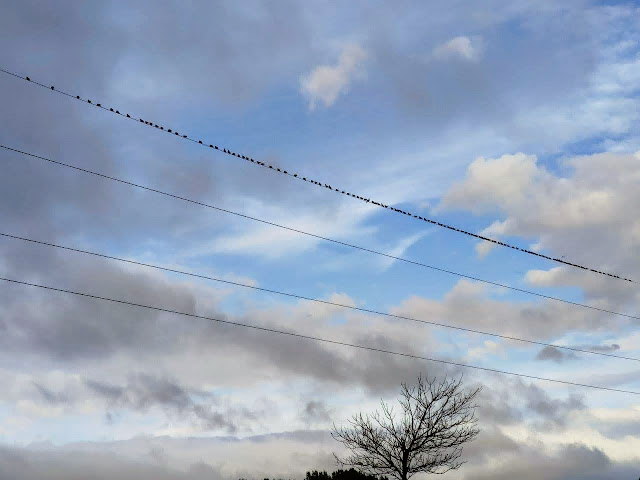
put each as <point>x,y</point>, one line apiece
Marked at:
<point>516,121</point>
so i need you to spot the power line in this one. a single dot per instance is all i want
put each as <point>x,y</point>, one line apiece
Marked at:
<point>310,180</point>
<point>320,237</point>
<point>317,339</point>
<point>317,300</point>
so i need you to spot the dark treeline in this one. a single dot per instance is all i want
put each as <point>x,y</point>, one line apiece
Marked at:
<point>350,474</point>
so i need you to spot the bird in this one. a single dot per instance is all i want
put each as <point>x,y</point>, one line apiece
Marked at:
<point>52,87</point>
<point>28,79</point>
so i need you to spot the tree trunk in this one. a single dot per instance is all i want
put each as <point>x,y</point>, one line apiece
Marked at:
<point>405,467</point>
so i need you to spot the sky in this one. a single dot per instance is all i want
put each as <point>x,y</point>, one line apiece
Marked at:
<point>518,120</point>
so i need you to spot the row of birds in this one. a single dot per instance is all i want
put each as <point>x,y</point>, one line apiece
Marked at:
<point>368,200</point>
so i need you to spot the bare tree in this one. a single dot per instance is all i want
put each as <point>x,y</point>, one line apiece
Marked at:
<point>438,418</point>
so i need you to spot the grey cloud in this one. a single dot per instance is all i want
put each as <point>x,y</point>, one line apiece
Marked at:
<point>618,429</point>
<point>65,327</point>
<point>551,411</point>
<point>492,456</point>
<point>601,348</point>
<point>571,462</point>
<point>143,392</point>
<point>490,444</point>
<point>315,411</point>
<point>48,326</point>
<point>555,355</point>
<point>27,465</point>
<point>496,406</point>
<point>510,402</point>
<point>166,458</point>
<point>52,398</point>
<point>559,356</point>
<point>248,48</point>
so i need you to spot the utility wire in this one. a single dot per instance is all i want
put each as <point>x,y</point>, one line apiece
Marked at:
<point>317,300</point>
<point>310,180</point>
<point>317,339</point>
<point>320,237</point>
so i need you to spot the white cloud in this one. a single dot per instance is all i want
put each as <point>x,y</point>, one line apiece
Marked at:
<point>587,216</point>
<point>491,183</point>
<point>466,48</point>
<point>326,82</point>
